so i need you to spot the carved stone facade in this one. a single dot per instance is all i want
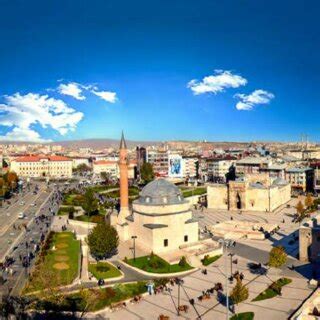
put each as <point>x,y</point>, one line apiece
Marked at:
<point>252,193</point>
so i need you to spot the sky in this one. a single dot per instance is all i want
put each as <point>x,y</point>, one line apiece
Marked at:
<point>211,70</point>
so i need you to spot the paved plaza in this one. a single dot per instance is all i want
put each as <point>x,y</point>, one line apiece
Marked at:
<point>246,251</point>
<point>277,308</point>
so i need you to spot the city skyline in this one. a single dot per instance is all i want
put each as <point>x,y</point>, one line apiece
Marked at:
<point>210,71</point>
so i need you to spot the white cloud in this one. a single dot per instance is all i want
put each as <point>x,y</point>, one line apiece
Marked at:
<point>247,102</point>
<point>23,134</point>
<point>21,112</point>
<point>108,96</point>
<point>72,89</point>
<point>217,82</point>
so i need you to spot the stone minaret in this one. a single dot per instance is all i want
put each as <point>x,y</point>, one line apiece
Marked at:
<point>123,166</point>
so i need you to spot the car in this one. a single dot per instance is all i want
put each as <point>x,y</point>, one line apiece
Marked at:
<point>22,203</point>
<point>33,204</point>
<point>21,215</point>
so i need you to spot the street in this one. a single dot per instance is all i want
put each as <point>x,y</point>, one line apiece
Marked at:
<point>20,239</point>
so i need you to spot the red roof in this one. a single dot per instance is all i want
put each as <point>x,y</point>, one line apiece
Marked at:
<point>102,162</point>
<point>36,158</point>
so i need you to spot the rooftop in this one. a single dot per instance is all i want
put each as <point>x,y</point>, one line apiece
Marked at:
<point>37,158</point>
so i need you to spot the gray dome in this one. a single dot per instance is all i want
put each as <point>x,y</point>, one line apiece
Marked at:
<point>160,192</point>
<point>279,182</point>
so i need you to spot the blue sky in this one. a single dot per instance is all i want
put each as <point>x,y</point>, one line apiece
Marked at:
<point>141,66</point>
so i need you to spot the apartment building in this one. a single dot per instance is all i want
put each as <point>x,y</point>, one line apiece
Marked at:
<point>301,179</point>
<point>159,161</point>
<point>111,167</point>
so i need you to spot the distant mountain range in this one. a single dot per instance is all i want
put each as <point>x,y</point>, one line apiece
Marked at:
<point>114,143</point>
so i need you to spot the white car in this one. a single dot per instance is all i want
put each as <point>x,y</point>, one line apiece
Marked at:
<point>21,215</point>
<point>22,203</point>
<point>33,204</point>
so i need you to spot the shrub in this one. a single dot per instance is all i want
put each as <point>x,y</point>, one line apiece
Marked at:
<point>97,219</point>
<point>107,293</point>
<point>183,261</point>
<point>71,215</point>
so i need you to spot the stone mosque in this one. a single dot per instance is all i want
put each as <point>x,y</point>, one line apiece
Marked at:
<point>160,219</point>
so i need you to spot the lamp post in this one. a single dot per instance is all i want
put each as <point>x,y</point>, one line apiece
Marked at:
<point>178,282</point>
<point>231,256</point>
<point>226,243</point>
<point>134,247</point>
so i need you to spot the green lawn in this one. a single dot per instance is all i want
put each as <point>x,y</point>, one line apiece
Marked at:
<point>73,199</point>
<point>95,218</point>
<point>94,299</point>
<point>270,292</point>
<point>194,192</point>
<point>104,270</point>
<point>133,192</point>
<point>64,210</point>
<point>208,260</point>
<point>103,188</point>
<point>157,265</point>
<point>56,267</point>
<point>243,316</point>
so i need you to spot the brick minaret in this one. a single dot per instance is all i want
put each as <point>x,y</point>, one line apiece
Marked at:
<point>123,166</point>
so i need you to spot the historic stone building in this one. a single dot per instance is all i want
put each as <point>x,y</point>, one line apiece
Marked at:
<point>309,244</point>
<point>161,219</point>
<point>250,193</point>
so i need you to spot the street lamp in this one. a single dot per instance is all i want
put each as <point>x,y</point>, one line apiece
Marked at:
<point>227,243</point>
<point>178,281</point>
<point>231,256</point>
<point>134,247</point>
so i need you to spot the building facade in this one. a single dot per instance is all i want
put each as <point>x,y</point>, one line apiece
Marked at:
<point>159,161</point>
<point>251,193</point>
<point>42,166</point>
<point>301,179</point>
<point>111,167</point>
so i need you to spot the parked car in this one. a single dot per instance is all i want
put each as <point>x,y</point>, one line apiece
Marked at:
<point>21,215</point>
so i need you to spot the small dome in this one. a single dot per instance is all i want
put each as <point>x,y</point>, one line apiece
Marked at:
<point>160,192</point>
<point>279,182</point>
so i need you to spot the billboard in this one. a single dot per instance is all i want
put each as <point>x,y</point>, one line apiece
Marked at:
<point>175,166</point>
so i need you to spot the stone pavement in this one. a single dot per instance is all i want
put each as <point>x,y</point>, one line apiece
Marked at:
<point>277,308</point>
<point>246,251</point>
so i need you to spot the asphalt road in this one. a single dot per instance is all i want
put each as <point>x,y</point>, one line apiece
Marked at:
<point>9,217</point>
<point>36,227</point>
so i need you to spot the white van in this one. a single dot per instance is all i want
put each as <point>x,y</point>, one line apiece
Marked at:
<point>21,215</point>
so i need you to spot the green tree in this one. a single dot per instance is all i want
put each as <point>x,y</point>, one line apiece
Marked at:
<point>239,293</point>
<point>300,208</point>
<point>308,201</point>
<point>103,240</point>
<point>147,173</point>
<point>81,168</point>
<point>90,203</point>
<point>11,179</point>
<point>277,257</point>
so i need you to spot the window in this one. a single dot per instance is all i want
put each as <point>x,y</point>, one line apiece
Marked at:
<point>165,242</point>
<point>185,238</point>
